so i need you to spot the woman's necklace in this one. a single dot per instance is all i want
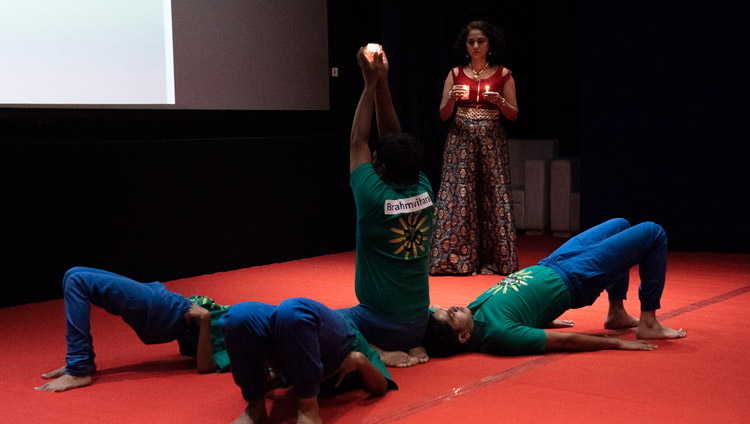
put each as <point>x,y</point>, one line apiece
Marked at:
<point>476,74</point>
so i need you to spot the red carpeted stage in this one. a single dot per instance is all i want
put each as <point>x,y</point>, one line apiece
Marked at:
<point>700,379</point>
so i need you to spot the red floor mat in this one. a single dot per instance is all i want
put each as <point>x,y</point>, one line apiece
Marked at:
<point>703,378</point>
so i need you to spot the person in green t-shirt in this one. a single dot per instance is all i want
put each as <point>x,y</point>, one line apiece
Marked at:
<point>513,317</point>
<point>154,313</point>
<point>394,203</point>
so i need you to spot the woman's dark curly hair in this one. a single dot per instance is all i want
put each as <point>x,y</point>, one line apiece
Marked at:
<point>495,36</point>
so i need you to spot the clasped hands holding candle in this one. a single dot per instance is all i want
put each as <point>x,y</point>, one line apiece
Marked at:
<point>373,62</point>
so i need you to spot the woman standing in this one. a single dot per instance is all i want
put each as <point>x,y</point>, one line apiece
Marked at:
<point>474,227</point>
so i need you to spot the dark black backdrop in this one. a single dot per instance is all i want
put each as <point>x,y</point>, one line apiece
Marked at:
<point>651,96</point>
<point>666,104</point>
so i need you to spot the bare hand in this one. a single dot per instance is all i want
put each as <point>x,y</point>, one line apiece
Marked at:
<point>457,92</point>
<point>197,314</point>
<point>371,70</point>
<point>560,323</point>
<point>636,345</point>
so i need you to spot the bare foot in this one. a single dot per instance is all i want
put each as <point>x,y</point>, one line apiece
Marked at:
<point>308,412</point>
<point>420,353</point>
<point>487,270</point>
<point>658,331</point>
<point>398,359</point>
<point>650,328</point>
<point>54,373</point>
<point>60,371</point>
<point>65,382</point>
<point>309,417</point>
<point>618,317</point>
<point>623,320</point>
<point>254,413</point>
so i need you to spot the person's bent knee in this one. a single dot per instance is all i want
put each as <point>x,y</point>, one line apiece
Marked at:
<point>74,277</point>
<point>657,231</point>
<point>620,223</point>
<point>71,272</point>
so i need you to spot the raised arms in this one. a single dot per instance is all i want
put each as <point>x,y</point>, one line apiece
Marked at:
<point>385,114</point>
<point>359,148</point>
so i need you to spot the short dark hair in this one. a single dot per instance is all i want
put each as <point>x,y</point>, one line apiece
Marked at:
<point>402,156</point>
<point>441,339</point>
<point>495,36</point>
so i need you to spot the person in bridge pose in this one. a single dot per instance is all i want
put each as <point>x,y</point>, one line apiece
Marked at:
<point>513,317</point>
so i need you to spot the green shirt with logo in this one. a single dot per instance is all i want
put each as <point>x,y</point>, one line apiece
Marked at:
<point>394,226</point>
<point>509,316</point>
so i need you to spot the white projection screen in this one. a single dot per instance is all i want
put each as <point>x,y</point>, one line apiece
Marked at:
<point>164,54</point>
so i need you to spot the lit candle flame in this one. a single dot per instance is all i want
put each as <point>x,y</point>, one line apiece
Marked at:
<point>486,88</point>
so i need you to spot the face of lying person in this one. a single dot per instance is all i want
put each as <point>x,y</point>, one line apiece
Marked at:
<point>458,317</point>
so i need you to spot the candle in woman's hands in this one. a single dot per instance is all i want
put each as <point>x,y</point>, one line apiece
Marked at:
<point>487,91</point>
<point>464,91</point>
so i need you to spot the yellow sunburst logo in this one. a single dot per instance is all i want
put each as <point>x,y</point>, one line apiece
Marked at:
<point>513,281</point>
<point>411,235</point>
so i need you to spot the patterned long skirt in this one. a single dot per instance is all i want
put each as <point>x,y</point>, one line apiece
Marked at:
<point>474,225</point>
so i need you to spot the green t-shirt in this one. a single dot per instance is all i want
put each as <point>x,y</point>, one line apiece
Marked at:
<point>394,226</point>
<point>217,334</point>
<point>509,316</point>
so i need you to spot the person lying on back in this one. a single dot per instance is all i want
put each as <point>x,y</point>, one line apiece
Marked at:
<point>513,317</point>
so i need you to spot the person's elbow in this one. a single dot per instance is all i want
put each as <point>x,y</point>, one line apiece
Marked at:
<point>446,114</point>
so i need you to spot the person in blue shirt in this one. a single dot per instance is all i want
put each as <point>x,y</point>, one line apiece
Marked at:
<point>305,342</point>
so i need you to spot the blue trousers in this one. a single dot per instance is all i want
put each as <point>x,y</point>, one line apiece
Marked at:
<point>156,314</point>
<point>385,332</point>
<point>600,259</point>
<point>301,338</point>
